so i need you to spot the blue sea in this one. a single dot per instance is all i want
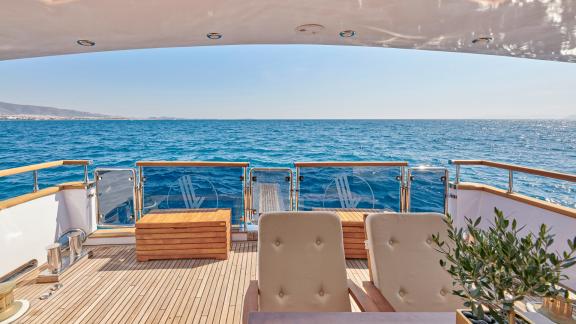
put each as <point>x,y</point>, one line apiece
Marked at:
<point>546,144</point>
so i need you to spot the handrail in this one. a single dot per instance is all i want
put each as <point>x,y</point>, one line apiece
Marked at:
<point>519,168</point>
<point>330,164</point>
<point>191,164</point>
<point>40,166</point>
<point>349,164</point>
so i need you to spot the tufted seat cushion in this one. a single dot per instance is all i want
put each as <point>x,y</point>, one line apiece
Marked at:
<point>405,265</point>
<point>301,265</point>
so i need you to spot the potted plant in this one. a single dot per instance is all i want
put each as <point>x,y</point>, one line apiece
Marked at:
<point>558,307</point>
<point>494,268</point>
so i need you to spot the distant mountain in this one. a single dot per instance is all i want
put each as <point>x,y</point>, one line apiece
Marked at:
<point>29,112</point>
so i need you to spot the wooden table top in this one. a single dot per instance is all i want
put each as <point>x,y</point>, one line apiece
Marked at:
<point>366,318</point>
<point>173,218</point>
<point>356,318</point>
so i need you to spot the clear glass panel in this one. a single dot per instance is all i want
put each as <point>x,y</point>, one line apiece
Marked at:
<point>427,190</point>
<point>349,187</point>
<point>115,190</point>
<point>482,174</point>
<point>23,183</point>
<point>194,188</point>
<point>16,185</point>
<point>270,191</point>
<point>55,176</point>
<point>551,190</point>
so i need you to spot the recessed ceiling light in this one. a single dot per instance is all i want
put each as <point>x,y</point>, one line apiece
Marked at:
<point>482,40</point>
<point>85,42</point>
<point>214,35</point>
<point>347,33</point>
<point>310,29</point>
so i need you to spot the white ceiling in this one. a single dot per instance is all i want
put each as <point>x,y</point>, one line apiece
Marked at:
<point>539,29</point>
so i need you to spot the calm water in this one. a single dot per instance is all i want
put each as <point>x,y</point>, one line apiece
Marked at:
<point>543,144</point>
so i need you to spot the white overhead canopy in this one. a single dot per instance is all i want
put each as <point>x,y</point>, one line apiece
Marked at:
<point>539,29</point>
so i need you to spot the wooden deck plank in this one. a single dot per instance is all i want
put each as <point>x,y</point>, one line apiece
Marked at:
<point>72,311</point>
<point>80,281</point>
<point>112,287</point>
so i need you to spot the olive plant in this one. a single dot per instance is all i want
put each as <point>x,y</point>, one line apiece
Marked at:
<point>495,267</point>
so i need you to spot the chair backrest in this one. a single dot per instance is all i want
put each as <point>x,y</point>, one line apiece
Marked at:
<point>405,265</point>
<point>301,265</point>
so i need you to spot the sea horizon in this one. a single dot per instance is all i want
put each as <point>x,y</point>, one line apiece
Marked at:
<point>538,143</point>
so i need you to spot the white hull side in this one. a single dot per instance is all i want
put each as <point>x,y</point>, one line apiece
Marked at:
<point>475,203</point>
<point>26,229</point>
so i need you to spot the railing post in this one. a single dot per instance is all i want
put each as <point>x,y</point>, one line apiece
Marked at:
<point>406,185</point>
<point>246,203</point>
<point>510,181</point>
<point>35,181</point>
<point>140,191</point>
<point>457,179</point>
<point>297,191</point>
<point>86,174</point>
<point>446,190</point>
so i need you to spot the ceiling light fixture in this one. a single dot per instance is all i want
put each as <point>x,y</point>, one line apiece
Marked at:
<point>214,35</point>
<point>347,33</point>
<point>85,42</point>
<point>310,29</point>
<point>482,40</point>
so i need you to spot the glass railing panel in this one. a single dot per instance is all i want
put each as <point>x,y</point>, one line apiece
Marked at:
<point>115,196</point>
<point>427,190</point>
<point>270,191</point>
<point>16,185</point>
<point>194,188</point>
<point>494,177</point>
<point>551,190</point>
<point>349,188</point>
<point>23,183</point>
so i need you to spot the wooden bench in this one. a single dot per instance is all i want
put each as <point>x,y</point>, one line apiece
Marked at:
<point>184,234</point>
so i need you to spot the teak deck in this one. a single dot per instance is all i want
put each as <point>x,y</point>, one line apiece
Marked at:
<point>184,234</point>
<point>112,287</point>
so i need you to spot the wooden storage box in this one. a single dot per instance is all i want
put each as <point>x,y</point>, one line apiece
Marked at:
<point>186,234</point>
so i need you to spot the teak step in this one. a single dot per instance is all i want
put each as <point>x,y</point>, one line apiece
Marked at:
<point>113,232</point>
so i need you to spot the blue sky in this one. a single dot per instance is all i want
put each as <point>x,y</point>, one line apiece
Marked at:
<point>288,81</point>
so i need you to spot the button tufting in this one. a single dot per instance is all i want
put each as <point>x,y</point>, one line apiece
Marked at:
<point>391,242</point>
<point>318,241</point>
<point>281,294</point>
<point>321,293</point>
<point>442,292</point>
<point>277,243</point>
<point>401,293</point>
<point>429,241</point>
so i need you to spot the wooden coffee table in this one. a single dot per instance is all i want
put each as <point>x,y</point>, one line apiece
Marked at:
<point>184,234</point>
<point>356,318</point>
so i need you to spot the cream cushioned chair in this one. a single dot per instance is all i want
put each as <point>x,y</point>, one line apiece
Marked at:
<point>404,265</point>
<point>301,266</point>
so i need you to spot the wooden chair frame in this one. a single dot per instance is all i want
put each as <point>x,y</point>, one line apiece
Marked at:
<point>251,304</point>
<point>372,291</point>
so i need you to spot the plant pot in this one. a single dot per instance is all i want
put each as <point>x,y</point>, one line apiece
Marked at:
<point>462,319</point>
<point>558,307</point>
